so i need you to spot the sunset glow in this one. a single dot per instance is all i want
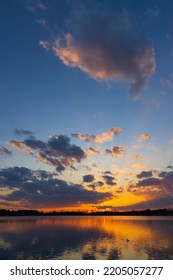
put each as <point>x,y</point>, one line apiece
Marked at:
<point>86,106</point>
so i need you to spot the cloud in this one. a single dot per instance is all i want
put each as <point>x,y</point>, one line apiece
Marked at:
<point>57,151</point>
<point>159,202</point>
<point>88,178</point>
<point>108,172</point>
<point>45,44</point>
<point>43,23</point>
<point>35,5</point>
<point>137,156</point>
<point>40,189</point>
<point>19,145</point>
<point>168,82</point>
<point>116,151</point>
<point>152,188</point>
<point>138,165</point>
<point>109,180</point>
<point>144,174</point>
<point>4,151</point>
<point>107,45</point>
<point>93,151</point>
<point>23,132</point>
<point>148,182</point>
<point>100,138</point>
<point>144,137</point>
<point>170,167</point>
<point>13,176</point>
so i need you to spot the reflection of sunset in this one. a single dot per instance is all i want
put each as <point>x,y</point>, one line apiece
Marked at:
<point>91,237</point>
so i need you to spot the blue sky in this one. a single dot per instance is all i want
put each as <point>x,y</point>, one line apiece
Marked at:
<point>90,68</point>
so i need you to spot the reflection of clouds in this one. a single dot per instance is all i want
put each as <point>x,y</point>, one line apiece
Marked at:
<point>87,238</point>
<point>158,253</point>
<point>103,248</point>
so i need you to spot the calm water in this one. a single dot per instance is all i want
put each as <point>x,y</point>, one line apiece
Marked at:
<point>86,238</point>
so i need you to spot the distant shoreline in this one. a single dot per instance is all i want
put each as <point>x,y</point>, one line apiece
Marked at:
<point>146,212</point>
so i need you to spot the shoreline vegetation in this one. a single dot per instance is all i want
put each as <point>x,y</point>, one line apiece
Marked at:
<point>146,212</point>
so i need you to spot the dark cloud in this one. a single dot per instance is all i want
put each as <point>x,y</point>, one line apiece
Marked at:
<point>148,182</point>
<point>60,168</point>
<point>155,188</point>
<point>22,132</point>
<point>41,189</point>
<point>61,144</point>
<point>166,176</point>
<point>119,190</point>
<point>108,172</point>
<point>109,180</point>
<point>170,167</point>
<point>4,151</point>
<point>96,184</point>
<point>108,45</point>
<point>163,173</point>
<point>14,176</point>
<point>35,144</point>
<point>57,151</point>
<point>88,178</point>
<point>145,174</point>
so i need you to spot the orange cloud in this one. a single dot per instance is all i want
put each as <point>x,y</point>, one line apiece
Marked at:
<point>100,138</point>
<point>144,137</point>
<point>115,53</point>
<point>137,156</point>
<point>92,151</point>
<point>138,165</point>
<point>116,151</point>
<point>19,145</point>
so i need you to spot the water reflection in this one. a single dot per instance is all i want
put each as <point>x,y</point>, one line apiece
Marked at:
<point>86,238</point>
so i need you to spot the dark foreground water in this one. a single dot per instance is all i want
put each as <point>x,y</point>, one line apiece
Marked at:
<point>76,238</point>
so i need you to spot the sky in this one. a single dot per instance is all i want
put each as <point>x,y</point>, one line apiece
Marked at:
<point>86,90</point>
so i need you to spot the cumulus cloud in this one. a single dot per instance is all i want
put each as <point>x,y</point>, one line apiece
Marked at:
<point>40,189</point>
<point>116,151</point>
<point>96,184</point>
<point>57,151</point>
<point>88,178</point>
<point>148,182</point>
<point>13,176</point>
<point>108,46</point>
<point>4,151</point>
<point>109,180</point>
<point>154,188</point>
<point>100,138</point>
<point>144,137</point>
<point>144,174</point>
